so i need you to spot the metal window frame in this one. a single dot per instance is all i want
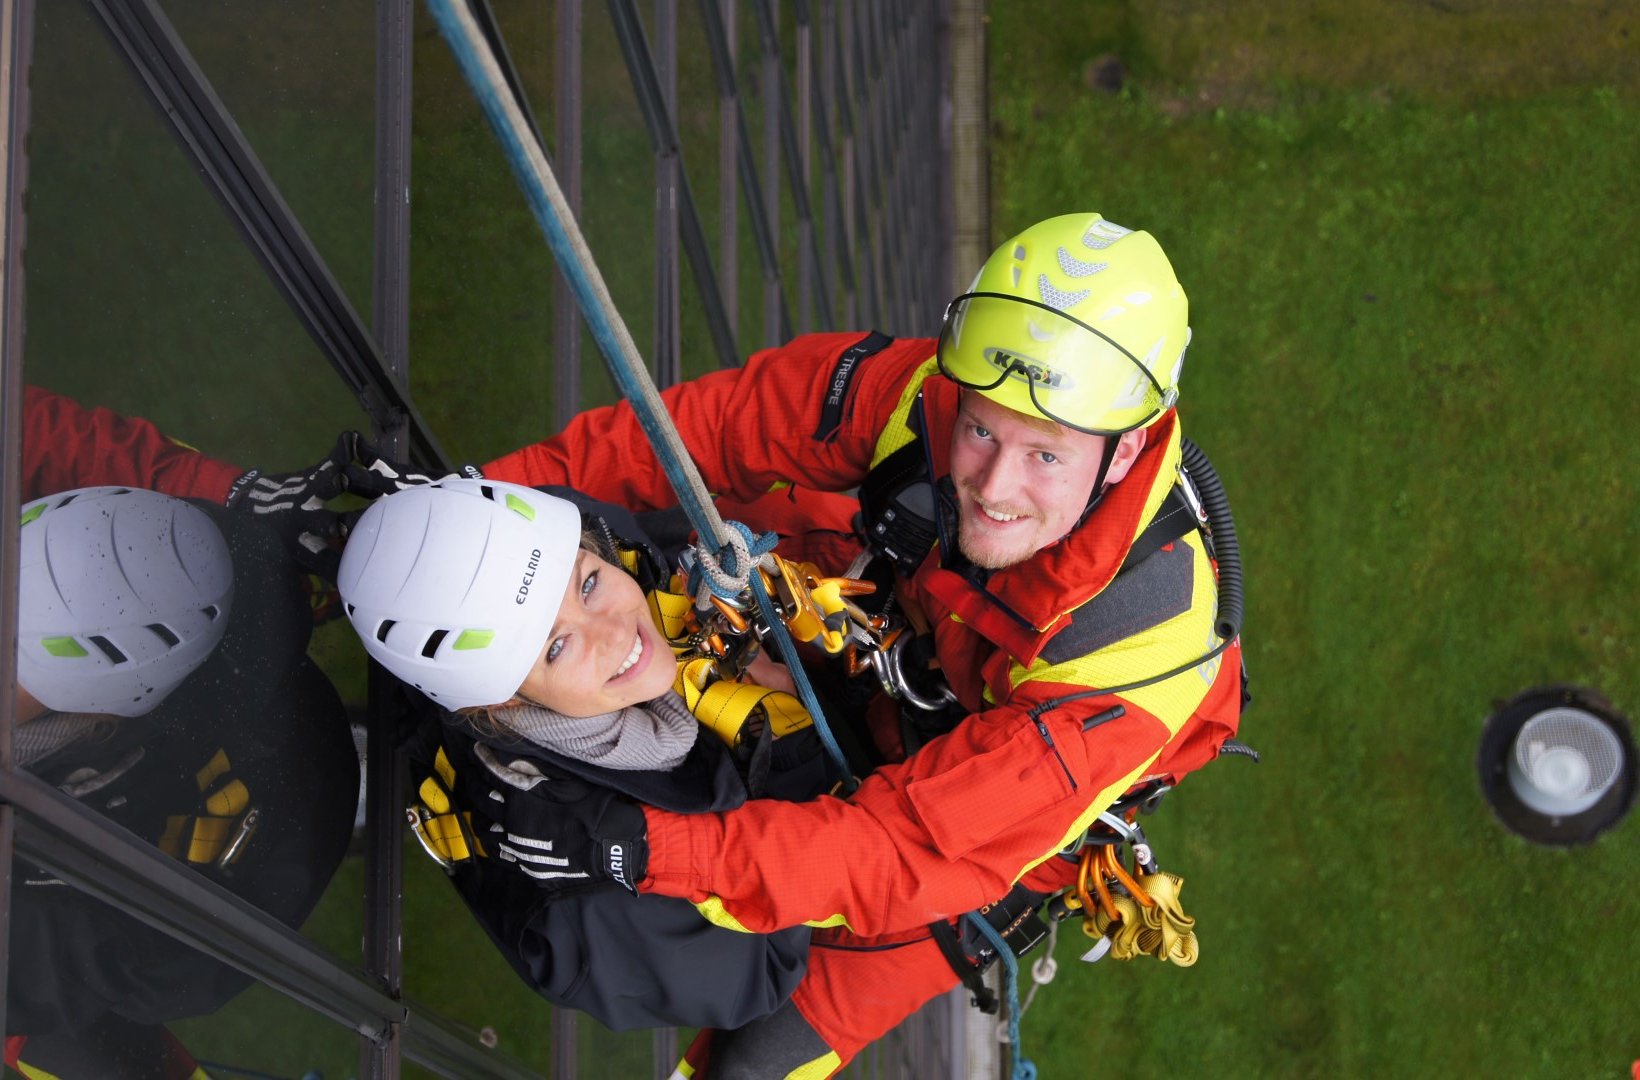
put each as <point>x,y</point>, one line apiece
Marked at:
<point>843,109</point>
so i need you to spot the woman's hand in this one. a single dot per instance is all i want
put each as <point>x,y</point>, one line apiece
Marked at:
<point>766,672</point>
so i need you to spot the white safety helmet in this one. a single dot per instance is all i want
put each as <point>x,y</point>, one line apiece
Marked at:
<point>454,586</point>
<point>121,594</point>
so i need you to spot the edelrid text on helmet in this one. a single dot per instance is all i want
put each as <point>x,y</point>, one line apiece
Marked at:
<point>454,586</point>
<point>1077,319</point>
<point>122,594</point>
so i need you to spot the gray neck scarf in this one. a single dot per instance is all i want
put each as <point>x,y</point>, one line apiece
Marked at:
<point>651,736</point>
<point>49,733</point>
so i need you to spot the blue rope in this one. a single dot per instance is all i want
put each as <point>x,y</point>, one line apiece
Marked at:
<point>601,321</point>
<point>1023,1068</point>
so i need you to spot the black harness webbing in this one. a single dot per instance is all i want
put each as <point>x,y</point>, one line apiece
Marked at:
<point>1174,518</point>
<point>971,974</point>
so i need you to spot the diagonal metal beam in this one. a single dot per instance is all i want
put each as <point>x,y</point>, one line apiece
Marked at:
<point>224,159</point>
<point>84,850</point>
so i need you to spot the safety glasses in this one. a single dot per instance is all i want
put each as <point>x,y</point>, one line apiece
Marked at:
<point>1035,358</point>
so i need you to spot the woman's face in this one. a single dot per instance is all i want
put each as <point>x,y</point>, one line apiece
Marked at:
<point>604,652</point>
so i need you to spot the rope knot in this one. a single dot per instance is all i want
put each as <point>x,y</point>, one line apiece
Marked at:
<point>727,573</point>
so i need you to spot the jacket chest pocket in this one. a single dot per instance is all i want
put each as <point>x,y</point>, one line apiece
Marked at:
<point>988,794</point>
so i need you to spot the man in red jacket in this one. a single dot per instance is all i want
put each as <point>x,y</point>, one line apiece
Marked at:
<point>1020,474</point>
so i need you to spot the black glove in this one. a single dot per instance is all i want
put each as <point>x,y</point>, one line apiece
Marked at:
<point>372,475</point>
<point>564,830</point>
<point>294,504</point>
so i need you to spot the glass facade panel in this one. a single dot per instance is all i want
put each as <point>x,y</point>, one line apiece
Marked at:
<point>163,360</point>
<point>142,297</point>
<point>300,80</point>
<point>100,994</point>
<point>481,280</point>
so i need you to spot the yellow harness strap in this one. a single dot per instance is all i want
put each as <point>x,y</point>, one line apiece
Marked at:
<point>724,706</point>
<point>446,834</point>
<point>220,833</point>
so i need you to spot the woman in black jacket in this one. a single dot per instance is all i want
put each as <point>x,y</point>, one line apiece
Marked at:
<point>546,679</point>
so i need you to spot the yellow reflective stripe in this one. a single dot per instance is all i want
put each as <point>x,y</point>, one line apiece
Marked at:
<point>818,1069</point>
<point>712,910</point>
<point>1101,801</point>
<point>897,432</point>
<point>434,795</point>
<point>684,1071</point>
<point>446,771</point>
<point>1150,652</point>
<point>213,769</point>
<point>35,1074</point>
<point>230,801</point>
<point>1165,480</point>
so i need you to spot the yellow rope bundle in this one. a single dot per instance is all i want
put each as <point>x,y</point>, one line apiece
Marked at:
<point>1161,930</point>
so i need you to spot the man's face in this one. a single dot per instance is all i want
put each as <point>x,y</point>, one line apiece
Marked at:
<point>1022,482</point>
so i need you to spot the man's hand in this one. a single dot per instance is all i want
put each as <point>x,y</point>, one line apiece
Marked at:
<point>372,475</point>
<point>562,830</point>
<point>294,504</point>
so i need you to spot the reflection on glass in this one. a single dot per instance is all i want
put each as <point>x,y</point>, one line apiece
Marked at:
<point>164,683</point>
<point>140,294</point>
<point>299,78</point>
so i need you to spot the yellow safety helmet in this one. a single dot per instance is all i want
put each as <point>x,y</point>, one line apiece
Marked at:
<point>1077,319</point>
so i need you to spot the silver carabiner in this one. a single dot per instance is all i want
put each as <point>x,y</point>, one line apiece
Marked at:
<point>416,816</point>
<point>891,673</point>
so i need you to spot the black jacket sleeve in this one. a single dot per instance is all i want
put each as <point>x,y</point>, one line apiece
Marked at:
<point>653,961</point>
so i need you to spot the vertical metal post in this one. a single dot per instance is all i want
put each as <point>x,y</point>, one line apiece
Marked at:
<point>728,151</point>
<point>848,115</point>
<point>384,764</point>
<point>866,98</point>
<point>563,1044</point>
<point>806,283</point>
<point>836,223</point>
<point>667,362</point>
<point>771,174</point>
<point>666,1052</point>
<point>566,318</point>
<point>566,331</point>
<point>16,39</point>
<point>907,183</point>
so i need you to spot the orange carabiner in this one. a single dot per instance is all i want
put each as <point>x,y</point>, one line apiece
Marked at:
<point>731,614</point>
<point>1114,867</point>
<point>1087,872</point>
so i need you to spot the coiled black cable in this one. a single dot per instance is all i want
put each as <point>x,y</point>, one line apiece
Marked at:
<point>1226,549</point>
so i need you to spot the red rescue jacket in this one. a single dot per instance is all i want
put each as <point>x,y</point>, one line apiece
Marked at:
<point>988,804</point>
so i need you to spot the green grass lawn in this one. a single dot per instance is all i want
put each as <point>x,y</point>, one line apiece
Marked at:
<point>1400,230</point>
